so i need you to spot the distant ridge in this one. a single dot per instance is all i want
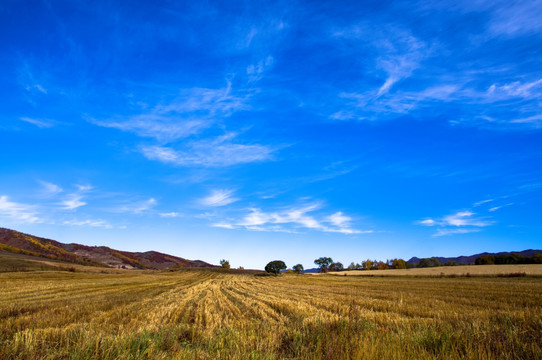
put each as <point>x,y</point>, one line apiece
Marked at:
<point>466,260</point>
<point>20,243</point>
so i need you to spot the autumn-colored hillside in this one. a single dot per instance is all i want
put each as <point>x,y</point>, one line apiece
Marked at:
<point>20,243</point>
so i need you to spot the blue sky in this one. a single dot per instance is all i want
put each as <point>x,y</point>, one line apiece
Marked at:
<point>255,131</point>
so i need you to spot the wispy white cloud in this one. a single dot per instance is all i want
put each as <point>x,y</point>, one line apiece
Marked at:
<point>427,222</point>
<point>255,71</point>
<point>194,110</point>
<point>331,172</point>
<point>495,208</point>
<point>461,218</point>
<point>17,211</point>
<point>221,151</point>
<point>272,228</point>
<point>73,201</point>
<point>137,207</point>
<point>41,123</point>
<point>399,61</point>
<point>516,18</point>
<point>172,214</point>
<point>37,87</point>
<point>160,153</point>
<point>290,219</point>
<point>461,222</point>
<point>50,189</point>
<point>92,223</point>
<point>28,80</point>
<point>365,106</point>
<point>219,198</point>
<point>444,232</point>
<point>465,218</point>
<point>161,127</point>
<point>504,17</point>
<point>516,89</point>
<point>223,225</point>
<point>476,204</point>
<point>340,220</point>
<point>399,53</point>
<point>84,188</point>
<point>535,120</point>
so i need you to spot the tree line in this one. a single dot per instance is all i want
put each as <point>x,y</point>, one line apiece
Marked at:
<point>514,258</point>
<point>326,264</point>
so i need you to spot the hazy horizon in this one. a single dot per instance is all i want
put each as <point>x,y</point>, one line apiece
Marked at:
<point>278,130</point>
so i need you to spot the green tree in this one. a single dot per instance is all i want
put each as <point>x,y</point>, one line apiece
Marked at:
<point>336,267</point>
<point>323,263</point>
<point>274,267</point>
<point>450,263</point>
<point>225,264</point>
<point>298,269</point>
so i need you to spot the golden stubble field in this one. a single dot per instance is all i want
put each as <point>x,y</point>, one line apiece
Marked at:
<point>213,315</point>
<point>463,270</point>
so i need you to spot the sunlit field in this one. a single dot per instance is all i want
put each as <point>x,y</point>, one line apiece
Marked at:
<point>464,270</point>
<point>211,314</point>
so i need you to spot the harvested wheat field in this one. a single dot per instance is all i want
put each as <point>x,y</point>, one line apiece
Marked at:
<point>206,314</point>
<point>466,270</point>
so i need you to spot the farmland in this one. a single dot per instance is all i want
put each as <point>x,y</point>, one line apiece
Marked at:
<point>465,270</point>
<point>211,314</point>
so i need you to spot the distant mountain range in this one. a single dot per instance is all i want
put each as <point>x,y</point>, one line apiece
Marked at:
<point>19,243</point>
<point>465,260</point>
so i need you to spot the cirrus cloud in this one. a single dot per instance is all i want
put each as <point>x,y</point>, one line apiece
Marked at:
<point>291,220</point>
<point>218,198</point>
<point>221,151</point>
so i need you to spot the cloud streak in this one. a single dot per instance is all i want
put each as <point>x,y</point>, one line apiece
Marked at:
<point>461,218</point>
<point>75,200</point>
<point>41,123</point>
<point>505,94</point>
<point>17,211</point>
<point>461,222</point>
<point>188,114</point>
<point>50,189</point>
<point>92,223</point>
<point>292,219</point>
<point>137,207</point>
<point>221,151</point>
<point>218,198</point>
<point>398,52</point>
<point>446,232</point>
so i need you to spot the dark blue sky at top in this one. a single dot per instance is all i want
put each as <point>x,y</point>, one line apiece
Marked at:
<point>260,130</point>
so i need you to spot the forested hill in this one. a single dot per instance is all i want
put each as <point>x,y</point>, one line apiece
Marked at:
<point>17,242</point>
